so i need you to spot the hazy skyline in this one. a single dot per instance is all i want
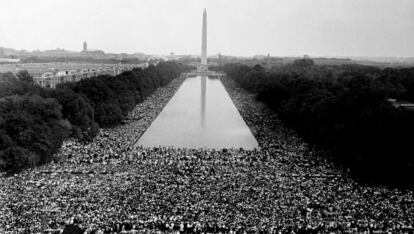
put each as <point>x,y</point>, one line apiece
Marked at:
<point>235,27</point>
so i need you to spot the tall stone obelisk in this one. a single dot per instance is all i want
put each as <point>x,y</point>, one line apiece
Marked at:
<point>204,40</point>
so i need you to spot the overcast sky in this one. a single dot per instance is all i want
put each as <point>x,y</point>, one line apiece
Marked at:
<point>235,27</point>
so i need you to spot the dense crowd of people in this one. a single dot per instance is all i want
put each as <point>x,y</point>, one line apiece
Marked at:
<point>112,185</point>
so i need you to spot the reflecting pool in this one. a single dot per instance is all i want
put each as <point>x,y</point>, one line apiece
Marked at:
<point>199,115</point>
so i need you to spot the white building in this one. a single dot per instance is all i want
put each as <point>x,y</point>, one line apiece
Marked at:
<point>52,78</point>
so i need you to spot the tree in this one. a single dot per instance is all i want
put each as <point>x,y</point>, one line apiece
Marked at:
<point>259,68</point>
<point>304,63</point>
<point>31,131</point>
<point>25,76</point>
<point>77,110</point>
<point>7,77</point>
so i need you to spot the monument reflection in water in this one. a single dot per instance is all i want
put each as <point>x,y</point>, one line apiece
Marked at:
<point>199,115</point>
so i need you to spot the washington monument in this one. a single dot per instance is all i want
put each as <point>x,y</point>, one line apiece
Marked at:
<point>204,40</point>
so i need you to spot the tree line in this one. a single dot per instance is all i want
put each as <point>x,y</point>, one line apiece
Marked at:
<point>344,109</point>
<point>34,121</point>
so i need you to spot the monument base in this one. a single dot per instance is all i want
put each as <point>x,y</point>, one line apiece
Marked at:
<point>202,67</point>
